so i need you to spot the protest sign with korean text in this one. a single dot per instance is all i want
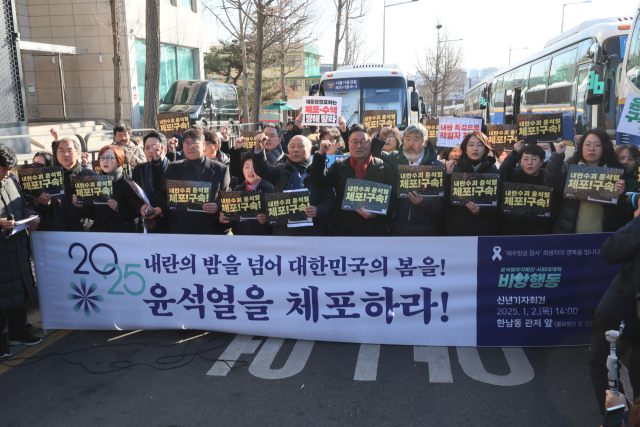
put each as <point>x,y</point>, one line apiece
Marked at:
<point>35,181</point>
<point>432,127</point>
<point>368,196</point>
<point>453,130</point>
<point>93,189</point>
<point>478,188</point>
<point>249,140</point>
<point>526,199</point>
<point>287,207</point>
<point>427,181</point>
<point>629,122</point>
<point>534,128</point>
<point>188,195</point>
<point>593,183</point>
<point>237,205</point>
<point>377,119</point>
<point>95,164</point>
<point>170,124</point>
<point>502,136</point>
<point>321,110</point>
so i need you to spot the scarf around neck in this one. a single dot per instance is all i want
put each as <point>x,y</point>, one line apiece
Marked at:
<point>252,187</point>
<point>116,174</point>
<point>361,168</point>
<point>298,173</point>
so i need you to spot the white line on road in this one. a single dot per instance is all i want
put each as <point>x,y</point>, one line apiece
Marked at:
<point>521,370</point>
<point>367,365</point>
<point>261,365</point>
<point>438,360</point>
<point>241,344</point>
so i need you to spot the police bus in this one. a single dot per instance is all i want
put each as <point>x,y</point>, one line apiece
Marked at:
<point>367,87</point>
<point>475,99</point>
<point>629,77</point>
<point>576,74</point>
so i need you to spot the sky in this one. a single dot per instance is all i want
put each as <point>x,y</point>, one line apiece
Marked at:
<point>486,27</point>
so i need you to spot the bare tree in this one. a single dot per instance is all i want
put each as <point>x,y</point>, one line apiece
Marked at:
<point>152,69</point>
<point>346,11</point>
<point>356,47</point>
<point>441,67</point>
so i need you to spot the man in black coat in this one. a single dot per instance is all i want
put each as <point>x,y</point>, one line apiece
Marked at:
<point>61,214</point>
<point>360,165</point>
<point>621,302</point>
<point>416,215</point>
<point>197,167</point>
<point>150,176</point>
<point>293,174</point>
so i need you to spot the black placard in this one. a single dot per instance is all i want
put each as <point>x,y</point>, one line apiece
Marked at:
<point>593,183</point>
<point>287,207</point>
<point>502,136</point>
<point>188,195</point>
<point>35,181</point>
<point>93,189</point>
<point>424,180</point>
<point>526,199</point>
<point>366,195</point>
<point>540,127</point>
<point>237,205</point>
<point>478,188</point>
<point>432,126</point>
<point>377,119</point>
<point>170,124</point>
<point>249,140</point>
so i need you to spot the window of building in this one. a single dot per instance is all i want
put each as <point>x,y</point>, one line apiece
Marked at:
<point>561,77</point>
<point>309,82</point>
<point>187,4</point>
<point>295,85</point>
<point>292,61</point>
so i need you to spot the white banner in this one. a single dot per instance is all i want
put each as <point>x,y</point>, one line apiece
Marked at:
<point>452,130</point>
<point>321,110</point>
<point>413,291</point>
<point>629,121</point>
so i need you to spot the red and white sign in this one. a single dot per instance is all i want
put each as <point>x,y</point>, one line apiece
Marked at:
<point>321,110</point>
<point>452,130</point>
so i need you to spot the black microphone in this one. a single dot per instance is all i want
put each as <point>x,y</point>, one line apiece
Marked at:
<point>10,217</point>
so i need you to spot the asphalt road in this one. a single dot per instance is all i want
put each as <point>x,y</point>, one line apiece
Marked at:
<point>290,383</point>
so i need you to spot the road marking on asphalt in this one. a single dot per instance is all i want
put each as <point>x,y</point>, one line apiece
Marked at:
<point>438,360</point>
<point>367,365</point>
<point>521,370</point>
<point>241,344</point>
<point>122,336</point>
<point>32,350</point>
<point>261,365</point>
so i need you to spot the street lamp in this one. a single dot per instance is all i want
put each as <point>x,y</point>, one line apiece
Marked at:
<point>515,48</point>
<point>566,4</point>
<point>384,21</point>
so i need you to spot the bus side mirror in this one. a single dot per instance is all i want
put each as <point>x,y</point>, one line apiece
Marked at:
<point>411,84</point>
<point>414,101</point>
<point>595,90</point>
<point>595,53</point>
<point>314,89</point>
<point>423,109</point>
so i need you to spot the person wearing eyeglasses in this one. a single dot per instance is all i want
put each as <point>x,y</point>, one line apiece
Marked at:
<point>61,214</point>
<point>271,137</point>
<point>123,207</point>
<point>360,165</point>
<point>197,167</point>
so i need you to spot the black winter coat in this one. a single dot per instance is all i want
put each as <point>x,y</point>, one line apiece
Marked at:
<point>459,220</point>
<point>322,198</point>
<point>60,214</point>
<point>155,189</point>
<point>203,169</point>
<point>253,227</point>
<point>350,223</point>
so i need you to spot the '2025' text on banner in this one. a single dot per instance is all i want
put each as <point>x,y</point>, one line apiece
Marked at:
<point>441,291</point>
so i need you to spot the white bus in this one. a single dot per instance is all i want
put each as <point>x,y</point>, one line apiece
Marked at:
<point>558,79</point>
<point>629,76</point>
<point>369,87</point>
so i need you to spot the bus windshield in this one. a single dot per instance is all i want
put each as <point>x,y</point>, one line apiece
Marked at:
<point>186,92</point>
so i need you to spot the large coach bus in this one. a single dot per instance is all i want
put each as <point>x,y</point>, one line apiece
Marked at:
<point>371,87</point>
<point>629,77</point>
<point>475,101</point>
<point>561,79</point>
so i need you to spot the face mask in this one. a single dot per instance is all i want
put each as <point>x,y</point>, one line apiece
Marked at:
<point>547,155</point>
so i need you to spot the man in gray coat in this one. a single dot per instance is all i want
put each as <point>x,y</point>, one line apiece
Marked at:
<point>16,280</point>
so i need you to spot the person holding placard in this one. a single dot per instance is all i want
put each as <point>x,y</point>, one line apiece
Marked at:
<point>629,157</point>
<point>294,175</point>
<point>471,220</point>
<point>59,212</point>
<point>415,215</point>
<point>361,165</point>
<point>197,167</point>
<point>252,182</point>
<point>582,216</point>
<point>123,206</point>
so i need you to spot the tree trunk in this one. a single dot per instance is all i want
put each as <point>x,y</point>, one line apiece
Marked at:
<point>257,81</point>
<point>282,81</point>
<point>336,44</point>
<point>346,38</point>
<point>245,71</point>
<point>117,61</point>
<point>152,69</point>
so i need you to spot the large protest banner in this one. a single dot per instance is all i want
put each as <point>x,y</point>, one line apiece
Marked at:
<point>447,291</point>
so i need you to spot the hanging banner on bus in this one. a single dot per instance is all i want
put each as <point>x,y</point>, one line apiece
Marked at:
<point>629,122</point>
<point>453,130</point>
<point>343,84</point>
<point>321,110</point>
<point>534,128</point>
<point>377,119</point>
<point>593,183</point>
<point>502,136</point>
<point>441,291</point>
<point>432,130</point>
<point>170,124</point>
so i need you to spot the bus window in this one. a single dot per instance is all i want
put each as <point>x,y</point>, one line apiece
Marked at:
<point>563,69</point>
<point>611,46</point>
<point>633,62</point>
<point>583,51</point>
<point>508,88</point>
<point>498,98</point>
<point>583,111</point>
<point>521,80</point>
<point>538,82</point>
<point>384,93</point>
